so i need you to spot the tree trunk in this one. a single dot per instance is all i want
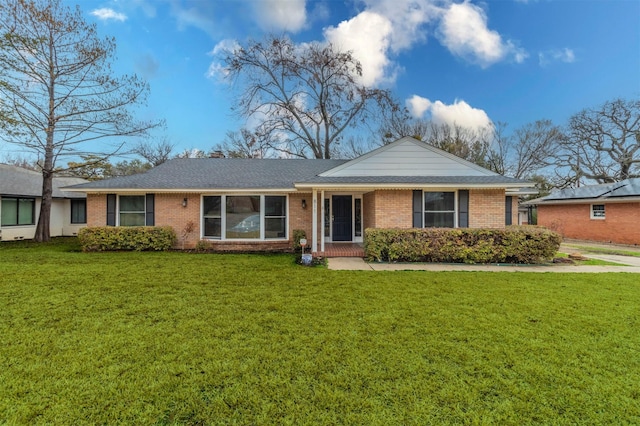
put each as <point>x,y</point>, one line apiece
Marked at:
<point>43,230</point>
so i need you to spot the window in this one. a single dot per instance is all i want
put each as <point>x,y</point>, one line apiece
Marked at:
<point>327,217</point>
<point>132,210</point>
<point>439,209</point>
<point>358,217</point>
<point>245,217</point>
<point>597,211</point>
<point>212,214</point>
<point>18,211</point>
<point>78,211</point>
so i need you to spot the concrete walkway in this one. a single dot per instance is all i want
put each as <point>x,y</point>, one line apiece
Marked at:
<point>632,263</point>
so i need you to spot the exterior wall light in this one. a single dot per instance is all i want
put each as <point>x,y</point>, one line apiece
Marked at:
<point>184,202</point>
<point>304,204</point>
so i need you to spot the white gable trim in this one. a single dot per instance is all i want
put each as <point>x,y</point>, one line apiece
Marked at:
<point>398,167</point>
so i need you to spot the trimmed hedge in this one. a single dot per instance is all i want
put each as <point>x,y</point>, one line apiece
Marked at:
<point>515,244</point>
<point>138,238</point>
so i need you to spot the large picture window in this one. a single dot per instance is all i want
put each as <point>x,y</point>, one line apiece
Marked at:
<point>439,209</point>
<point>18,211</point>
<point>78,211</point>
<point>132,210</point>
<point>245,217</point>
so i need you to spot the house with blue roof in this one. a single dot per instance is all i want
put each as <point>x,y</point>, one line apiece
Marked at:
<point>257,204</point>
<point>606,213</point>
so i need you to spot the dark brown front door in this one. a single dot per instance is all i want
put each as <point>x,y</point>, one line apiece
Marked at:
<point>342,220</point>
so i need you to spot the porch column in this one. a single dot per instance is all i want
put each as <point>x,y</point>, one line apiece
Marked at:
<point>314,222</point>
<point>322,213</point>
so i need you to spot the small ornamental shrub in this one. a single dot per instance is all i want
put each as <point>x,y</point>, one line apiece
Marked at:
<point>298,234</point>
<point>514,244</point>
<point>138,238</point>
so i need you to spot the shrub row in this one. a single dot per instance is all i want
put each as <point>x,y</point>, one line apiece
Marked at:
<point>515,244</point>
<point>138,238</point>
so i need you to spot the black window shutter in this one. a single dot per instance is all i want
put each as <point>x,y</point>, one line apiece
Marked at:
<point>150,216</point>
<point>417,209</point>
<point>111,209</point>
<point>463,208</point>
<point>507,210</point>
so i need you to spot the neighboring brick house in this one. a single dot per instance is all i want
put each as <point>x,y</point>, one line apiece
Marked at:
<point>607,213</point>
<point>20,199</point>
<point>250,204</point>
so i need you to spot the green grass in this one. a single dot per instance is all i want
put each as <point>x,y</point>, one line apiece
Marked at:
<point>604,250</point>
<point>175,338</point>
<point>591,262</point>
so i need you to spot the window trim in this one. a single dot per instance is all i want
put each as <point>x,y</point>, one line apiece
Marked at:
<point>33,211</point>
<point>455,210</point>
<point>144,210</point>
<point>223,216</point>
<point>598,217</point>
<point>75,201</point>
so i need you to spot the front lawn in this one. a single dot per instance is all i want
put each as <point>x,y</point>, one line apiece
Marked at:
<point>176,338</point>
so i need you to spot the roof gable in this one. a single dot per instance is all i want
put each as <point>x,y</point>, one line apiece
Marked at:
<point>408,157</point>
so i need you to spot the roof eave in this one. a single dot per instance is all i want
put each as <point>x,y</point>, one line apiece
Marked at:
<point>325,186</point>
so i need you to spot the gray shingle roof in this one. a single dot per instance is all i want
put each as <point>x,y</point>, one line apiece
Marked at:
<point>17,181</point>
<point>226,173</point>
<point>625,188</point>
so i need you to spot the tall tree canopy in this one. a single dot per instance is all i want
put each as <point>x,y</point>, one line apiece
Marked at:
<point>304,96</point>
<point>58,82</point>
<point>603,144</point>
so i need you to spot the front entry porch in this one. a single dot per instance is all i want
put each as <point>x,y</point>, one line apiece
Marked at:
<point>342,250</point>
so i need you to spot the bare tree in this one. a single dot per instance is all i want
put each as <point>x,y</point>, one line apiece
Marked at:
<point>603,144</point>
<point>304,96</point>
<point>155,153</point>
<point>244,144</point>
<point>528,151</point>
<point>58,81</point>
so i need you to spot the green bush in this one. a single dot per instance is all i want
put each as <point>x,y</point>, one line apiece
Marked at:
<point>138,238</point>
<point>514,244</point>
<point>298,234</point>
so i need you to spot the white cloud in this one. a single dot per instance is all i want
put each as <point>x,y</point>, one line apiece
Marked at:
<point>367,35</point>
<point>459,112</point>
<point>565,55</point>
<point>199,15</point>
<point>106,14</point>
<point>281,15</point>
<point>216,69</point>
<point>463,30</point>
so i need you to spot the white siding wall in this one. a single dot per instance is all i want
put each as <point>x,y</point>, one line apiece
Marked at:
<point>60,223</point>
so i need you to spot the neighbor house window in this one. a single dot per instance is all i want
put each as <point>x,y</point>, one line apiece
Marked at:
<point>132,210</point>
<point>18,211</point>
<point>439,209</point>
<point>597,211</point>
<point>245,217</point>
<point>78,211</point>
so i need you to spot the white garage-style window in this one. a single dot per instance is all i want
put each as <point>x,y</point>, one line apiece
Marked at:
<point>440,209</point>
<point>597,211</point>
<point>244,217</point>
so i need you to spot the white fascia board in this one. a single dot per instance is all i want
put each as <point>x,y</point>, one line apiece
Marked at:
<point>181,191</point>
<point>372,186</point>
<point>598,200</point>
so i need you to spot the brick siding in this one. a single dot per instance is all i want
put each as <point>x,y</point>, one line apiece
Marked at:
<point>487,208</point>
<point>620,225</point>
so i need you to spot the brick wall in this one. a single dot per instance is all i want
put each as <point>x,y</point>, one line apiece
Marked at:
<point>486,208</point>
<point>96,210</point>
<point>369,210</point>
<point>514,210</point>
<point>393,209</point>
<point>621,224</point>
<point>170,212</point>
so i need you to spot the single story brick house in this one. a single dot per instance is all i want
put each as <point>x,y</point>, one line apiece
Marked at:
<point>607,212</point>
<point>20,199</point>
<point>256,204</point>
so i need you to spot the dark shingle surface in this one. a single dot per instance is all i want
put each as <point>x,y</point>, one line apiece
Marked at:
<point>625,188</point>
<point>223,173</point>
<point>22,182</point>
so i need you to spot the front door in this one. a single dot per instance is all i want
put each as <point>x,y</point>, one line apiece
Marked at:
<point>342,220</point>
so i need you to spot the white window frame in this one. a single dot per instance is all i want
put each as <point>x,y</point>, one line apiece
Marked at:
<point>223,218</point>
<point>598,216</point>
<point>455,205</point>
<point>144,212</point>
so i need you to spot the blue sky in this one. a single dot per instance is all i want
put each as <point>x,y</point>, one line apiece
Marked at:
<point>469,62</point>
